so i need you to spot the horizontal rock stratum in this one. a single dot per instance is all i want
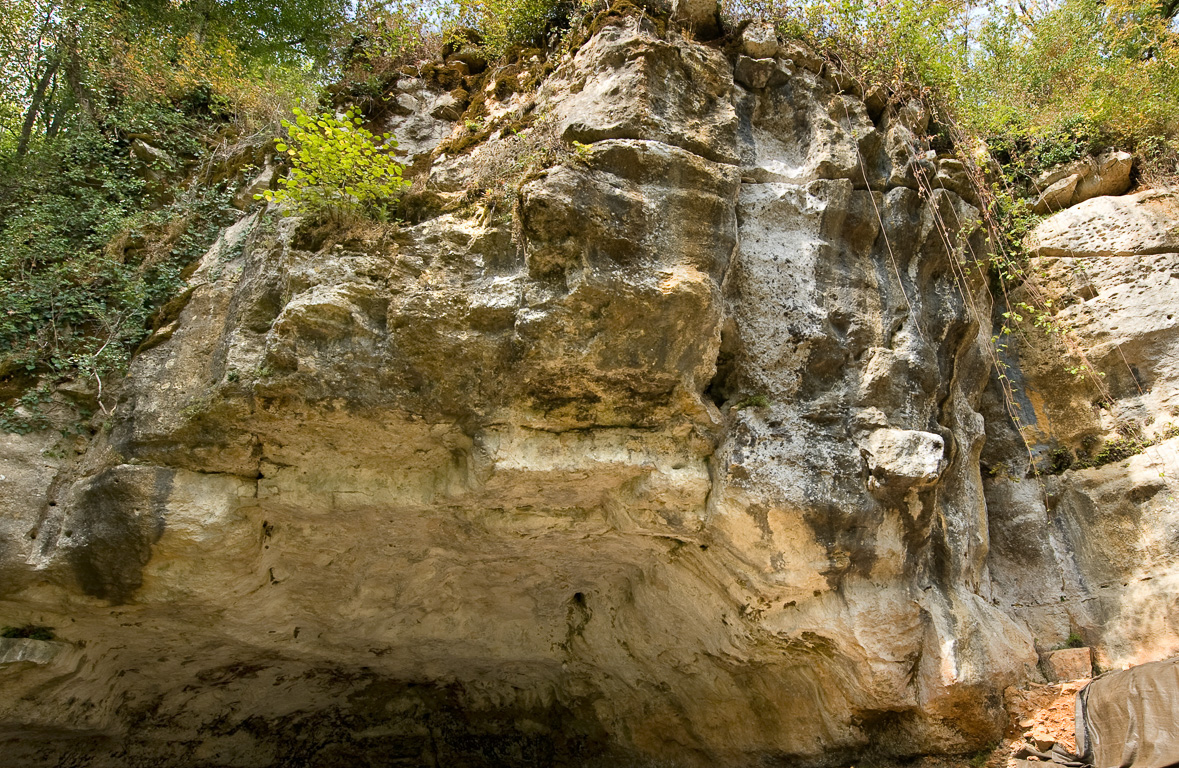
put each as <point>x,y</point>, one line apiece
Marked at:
<point>680,464</point>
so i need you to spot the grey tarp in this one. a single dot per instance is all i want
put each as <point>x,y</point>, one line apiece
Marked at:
<point>1131,718</point>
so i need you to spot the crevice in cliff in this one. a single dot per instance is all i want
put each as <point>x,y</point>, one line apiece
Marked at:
<point>723,385</point>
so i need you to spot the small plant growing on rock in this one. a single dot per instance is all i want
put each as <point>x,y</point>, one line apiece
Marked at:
<point>983,756</point>
<point>27,632</point>
<point>753,401</point>
<point>581,152</point>
<point>337,168</point>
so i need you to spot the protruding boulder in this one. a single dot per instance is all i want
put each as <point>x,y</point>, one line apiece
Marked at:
<point>1085,179</point>
<point>16,650</point>
<point>903,458</point>
<point>1139,224</point>
<point>759,41</point>
<point>801,55</point>
<point>1069,664</point>
<point>754,73</point>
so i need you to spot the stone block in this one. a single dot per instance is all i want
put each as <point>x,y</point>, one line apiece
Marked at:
<point>759,41</point>
<point>1069,664</point>
<point>13,650</point>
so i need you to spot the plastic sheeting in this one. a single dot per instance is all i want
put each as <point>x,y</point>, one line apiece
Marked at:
<point>1130,719</point>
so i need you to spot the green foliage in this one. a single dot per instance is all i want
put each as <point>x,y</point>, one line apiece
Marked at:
<point>506,23</point>
<point>752,401</point>
<point>1124,446</point>
<point>386,33</point>
<point>1051,81</point>
<point>337,167</point>
<point>582,152</point>
<point>28,631</point>
<point>85,261</point>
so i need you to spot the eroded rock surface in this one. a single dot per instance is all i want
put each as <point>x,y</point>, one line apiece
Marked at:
<point>680,465</point>
<point>1138,224</point>
<point>1088,547</point>
<point>1089,177</point>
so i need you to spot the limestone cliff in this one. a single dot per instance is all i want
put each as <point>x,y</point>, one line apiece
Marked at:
<point>678,463</point>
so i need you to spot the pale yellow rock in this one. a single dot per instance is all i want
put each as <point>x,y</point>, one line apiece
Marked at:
<point>1069,664</point>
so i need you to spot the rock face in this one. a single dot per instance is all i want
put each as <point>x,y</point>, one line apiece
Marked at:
<point>679,465</point>
<point>1089,547</point>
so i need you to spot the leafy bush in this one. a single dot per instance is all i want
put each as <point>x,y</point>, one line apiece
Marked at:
<point>337,168</point>
<point>505,23</point>
<point>28,631</point>
<point>88,254</point>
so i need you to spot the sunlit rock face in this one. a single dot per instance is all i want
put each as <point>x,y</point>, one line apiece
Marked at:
<point>1090,545</point>
<point>679,464</point>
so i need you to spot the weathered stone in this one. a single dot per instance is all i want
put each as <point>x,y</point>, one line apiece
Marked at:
<point>245,199</point>
<point>701,17</point>
<point>474,59</point>
<point>876,100</point>
<point>680,95</point>
<point>1139,224</point>
<point>1068,664</point>
<point>754,73</point>
<point>1041,739</point>
<point>1110,175</point>
<point>759,41</point>
<point>952,175</point>
<point>845,83</point>
<point>904,458</point>
<point>18,650</point>
<point>1089,177</point>
<point>1091,547</point>
<point>801,55</point>
<point>682,461</point>
<point>447,107</point>
<point>1059,195</point>
<point>800,131</point>
<point>414,124</point>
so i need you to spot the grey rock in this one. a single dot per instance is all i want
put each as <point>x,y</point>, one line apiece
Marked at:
<point>18,650</point>
<point>801,55</point>
<point>759,41</point>
<point>1089,177</point>
<point>1058,195</point>
<point>1138,224</point>
<point>754,73</point>
<point>903,457</point>
<point>677,94</point>
<point>422,119</point>
<point>244,199</point>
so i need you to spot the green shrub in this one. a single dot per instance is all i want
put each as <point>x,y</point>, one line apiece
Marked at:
<point>28,631</point>
<point>337,168</point>
<point>87,255</point>
<point>752,401</point>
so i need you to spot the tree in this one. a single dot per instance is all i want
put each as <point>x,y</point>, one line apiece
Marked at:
<point>337,167</point>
